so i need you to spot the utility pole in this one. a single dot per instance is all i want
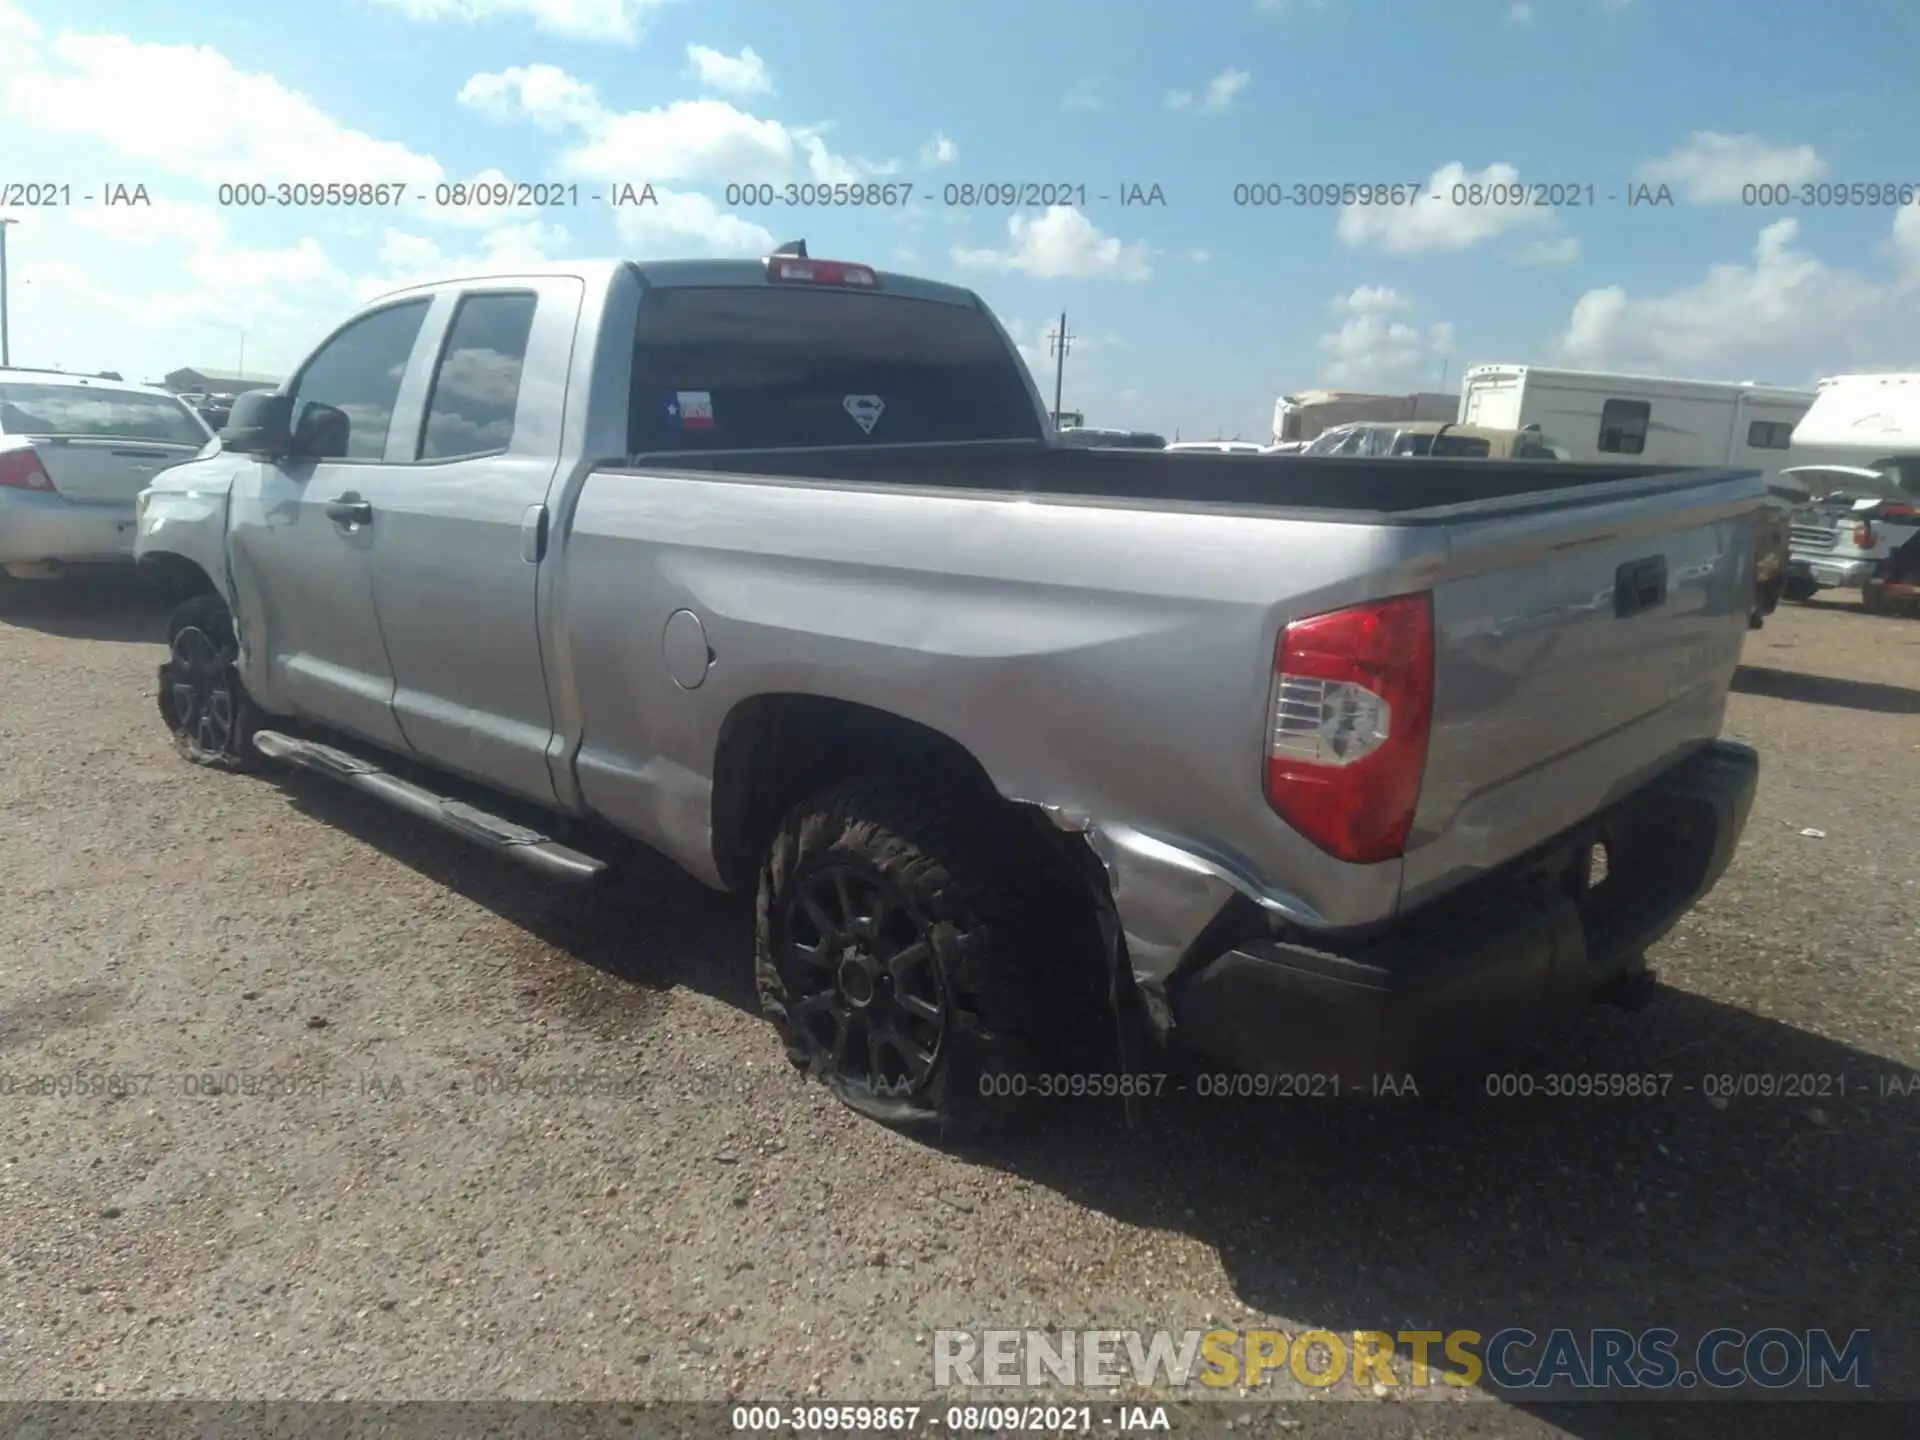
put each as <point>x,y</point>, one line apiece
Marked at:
<point>241,368</point>
<point>6,348</point>
<point>1059,341</point>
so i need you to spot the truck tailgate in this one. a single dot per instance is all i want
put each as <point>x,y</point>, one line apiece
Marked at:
<point>1579,647</point>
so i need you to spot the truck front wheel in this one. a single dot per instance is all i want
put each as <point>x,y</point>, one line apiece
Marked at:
<point>891,953</point>
<point>1800,590</point>
<point>202,700</point>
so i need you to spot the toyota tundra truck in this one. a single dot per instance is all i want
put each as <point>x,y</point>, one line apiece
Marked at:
<point>1316,765</point>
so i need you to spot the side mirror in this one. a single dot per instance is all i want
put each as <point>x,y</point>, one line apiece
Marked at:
<point>321,432</point>
<point>259,424</point>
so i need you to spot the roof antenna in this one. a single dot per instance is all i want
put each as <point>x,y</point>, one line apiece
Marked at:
<point>795,248</point>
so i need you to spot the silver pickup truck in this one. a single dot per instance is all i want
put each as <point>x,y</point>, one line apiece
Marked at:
<point>1324,768</point>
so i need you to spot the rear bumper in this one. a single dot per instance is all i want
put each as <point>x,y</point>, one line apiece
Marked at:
<point>1513,954</point>
<point>36,526</point>
<point>1832,573</point>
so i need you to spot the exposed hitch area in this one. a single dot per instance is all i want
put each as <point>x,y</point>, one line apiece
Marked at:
<point>1517,954</point>
<point>1631,989</point>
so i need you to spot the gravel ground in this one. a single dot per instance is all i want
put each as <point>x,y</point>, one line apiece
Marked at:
<point>406,1209</point>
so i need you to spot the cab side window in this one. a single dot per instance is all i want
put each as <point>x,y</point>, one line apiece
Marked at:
<point>357,374</point>
<point>476,388</point>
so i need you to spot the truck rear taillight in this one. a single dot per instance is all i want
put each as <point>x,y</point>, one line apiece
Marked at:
<point>21,470</point>
<point>1347,727</point>
<point>1863,536</point>
<point>787,270</point>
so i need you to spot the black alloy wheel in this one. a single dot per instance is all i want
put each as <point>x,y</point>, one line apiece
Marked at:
<point>861,979</point>
<point>201,698</point>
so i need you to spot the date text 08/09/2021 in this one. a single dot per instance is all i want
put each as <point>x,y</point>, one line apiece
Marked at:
<point>1056,1419</point>
<point>1717,1088</point>
<point>1266,194</point>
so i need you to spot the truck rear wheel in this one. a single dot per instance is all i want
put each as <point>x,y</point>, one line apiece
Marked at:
<point>891,953</point>
<point>202,700</point>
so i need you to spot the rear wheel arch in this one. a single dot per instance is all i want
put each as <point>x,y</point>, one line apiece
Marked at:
<point>780,753</point>
<point>776,750</point>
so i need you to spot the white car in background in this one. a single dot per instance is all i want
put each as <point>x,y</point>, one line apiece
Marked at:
<point>75,452</point>
<point>1218,447</point>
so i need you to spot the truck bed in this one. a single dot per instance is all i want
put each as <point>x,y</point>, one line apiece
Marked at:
<point>1355,486</point>
<point>1110,653</point>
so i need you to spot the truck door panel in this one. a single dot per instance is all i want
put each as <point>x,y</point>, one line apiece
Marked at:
<point>304,576</point>
<point>460,530</point>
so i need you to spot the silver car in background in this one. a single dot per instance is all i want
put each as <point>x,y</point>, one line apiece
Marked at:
<point>75,451</point>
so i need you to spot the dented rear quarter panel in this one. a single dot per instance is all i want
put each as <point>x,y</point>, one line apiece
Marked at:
<point>1112,662</point>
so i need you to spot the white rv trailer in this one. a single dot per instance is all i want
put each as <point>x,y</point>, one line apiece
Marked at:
<point>1601,417</point>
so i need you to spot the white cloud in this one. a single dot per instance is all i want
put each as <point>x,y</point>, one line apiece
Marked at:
<point>681,142</point>
<point>145,289</point>
<point>1433,221</point>
<point>621,21</point>
<point>1372,349</point>
<point>1711,167</point>
<point>1224,88</point>
<point>187,109</point>
<point>1061,244</point>
<point>1561,251</point>
<point>1084,95</point>
<point>1906,240</point>
<point>1520,13</point>
<point>939,151</point>
<point>742,74</point>
<point>544,94</point>
<point>1786,312</point>
<point>148,289</point>
<point>1219,93</point>
<point>686,223</point>
<point>1200,257</point>
<point>410,259</point>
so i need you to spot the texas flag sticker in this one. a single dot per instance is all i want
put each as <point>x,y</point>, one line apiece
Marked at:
<point>691,410</point>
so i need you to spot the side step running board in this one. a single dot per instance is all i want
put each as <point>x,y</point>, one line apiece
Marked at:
<point>516,842</point>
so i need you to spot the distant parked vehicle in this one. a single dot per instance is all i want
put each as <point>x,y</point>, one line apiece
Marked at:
<point>1442,440</point>
<point>74,452</point>
<point>1087,437</point>
<point>1216,447</point>
<point>1368,438</point>
<point>1859,527</point>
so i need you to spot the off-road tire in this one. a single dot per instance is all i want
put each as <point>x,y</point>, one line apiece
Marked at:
<point>1873,597</point>
<point>202,702</point>
<point>950,862</point>
<point>1799,591</point>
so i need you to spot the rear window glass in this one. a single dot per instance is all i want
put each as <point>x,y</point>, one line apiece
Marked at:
<point>87,411</point>
<point>1456,447</point>
<point>745,368</point>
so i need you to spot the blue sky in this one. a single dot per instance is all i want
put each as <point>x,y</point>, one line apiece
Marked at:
<point>1191,317</point>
